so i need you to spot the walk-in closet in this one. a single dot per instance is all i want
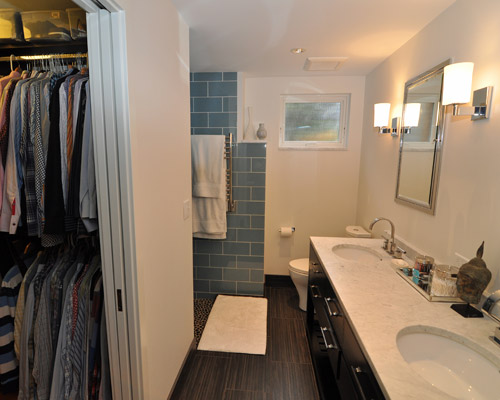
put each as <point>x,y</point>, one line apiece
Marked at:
<point>54,318</point>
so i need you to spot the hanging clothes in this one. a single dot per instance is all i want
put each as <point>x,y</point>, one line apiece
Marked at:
<point>53,342</point>
<point>47,172</point>
<point>9,289</point>
<point>61,335</point>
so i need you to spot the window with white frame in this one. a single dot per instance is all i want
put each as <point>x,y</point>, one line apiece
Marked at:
<point>314,121</point>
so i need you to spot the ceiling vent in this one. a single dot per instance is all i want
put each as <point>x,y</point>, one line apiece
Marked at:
<point>324,63</point>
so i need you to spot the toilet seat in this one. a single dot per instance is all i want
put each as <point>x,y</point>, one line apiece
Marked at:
<point>299,266</point>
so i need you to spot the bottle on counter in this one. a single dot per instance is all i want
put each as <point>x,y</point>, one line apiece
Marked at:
<point>421,270</point>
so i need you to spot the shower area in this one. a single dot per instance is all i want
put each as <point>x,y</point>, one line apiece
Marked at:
<point>234,265</point>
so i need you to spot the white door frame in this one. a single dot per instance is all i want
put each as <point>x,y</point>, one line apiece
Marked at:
<point>111,126</point>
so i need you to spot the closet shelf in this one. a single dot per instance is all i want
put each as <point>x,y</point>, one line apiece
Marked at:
<point>26,48</point>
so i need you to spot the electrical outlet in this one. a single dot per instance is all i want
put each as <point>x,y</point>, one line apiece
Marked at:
<point>460,260</point>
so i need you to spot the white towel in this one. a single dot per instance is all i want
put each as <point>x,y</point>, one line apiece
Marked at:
<point>207,165</point>
<point>209,186</point>
<point>209,218</point>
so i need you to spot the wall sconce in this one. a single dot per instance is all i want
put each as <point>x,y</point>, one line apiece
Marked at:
<point>411,116</point>
<point>381,117</point>
<point>457,84</point>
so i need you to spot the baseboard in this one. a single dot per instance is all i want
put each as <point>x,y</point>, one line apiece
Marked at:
<point>190,352</point>
<point>279,281</point>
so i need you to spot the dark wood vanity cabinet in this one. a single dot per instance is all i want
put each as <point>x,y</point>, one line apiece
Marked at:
<point>341,369</point>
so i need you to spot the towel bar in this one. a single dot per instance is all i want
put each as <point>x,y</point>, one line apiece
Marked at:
<point>228,155</point>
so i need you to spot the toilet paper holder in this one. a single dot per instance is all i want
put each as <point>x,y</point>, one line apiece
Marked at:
<point>293,229</point>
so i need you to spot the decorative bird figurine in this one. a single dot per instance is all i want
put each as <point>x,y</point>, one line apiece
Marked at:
<point>473,277</point>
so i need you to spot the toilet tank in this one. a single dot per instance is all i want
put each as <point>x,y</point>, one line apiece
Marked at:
<point>357,231</point>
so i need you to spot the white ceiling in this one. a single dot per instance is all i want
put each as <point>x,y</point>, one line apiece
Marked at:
<point>255,36</point>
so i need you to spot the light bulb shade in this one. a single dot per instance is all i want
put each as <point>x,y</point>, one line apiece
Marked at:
<point>457,83</point>
<point>381,114</point>
<point>411,115</point>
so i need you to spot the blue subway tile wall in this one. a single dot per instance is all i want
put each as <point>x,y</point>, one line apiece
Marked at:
<point>234,265</point>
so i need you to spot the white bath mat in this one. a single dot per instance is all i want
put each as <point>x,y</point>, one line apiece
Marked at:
<point>236,324</point>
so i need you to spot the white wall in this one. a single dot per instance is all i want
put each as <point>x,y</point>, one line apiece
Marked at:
<point>158,69</point>
<point>467,210</point>
<point>315,191</point>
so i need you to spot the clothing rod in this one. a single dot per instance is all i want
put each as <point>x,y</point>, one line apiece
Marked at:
<point>43,57</point>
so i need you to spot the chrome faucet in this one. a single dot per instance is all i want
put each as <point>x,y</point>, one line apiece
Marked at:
<point>390,246</point>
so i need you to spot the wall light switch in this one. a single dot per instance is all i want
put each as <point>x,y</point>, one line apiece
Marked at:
<point>186,209</point>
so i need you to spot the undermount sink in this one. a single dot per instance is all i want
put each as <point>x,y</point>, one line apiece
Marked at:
<point>357,253</point>
<point>450,363</point>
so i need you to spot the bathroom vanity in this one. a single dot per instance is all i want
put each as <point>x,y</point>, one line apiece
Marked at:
<point>361,316</point>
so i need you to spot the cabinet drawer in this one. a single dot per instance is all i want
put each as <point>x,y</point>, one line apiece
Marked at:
<point>361,373</point>
<point>344,381</point>
<point>336,316</point>
<point>326,334</point>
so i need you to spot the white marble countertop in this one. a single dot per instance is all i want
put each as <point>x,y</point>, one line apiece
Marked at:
<point>379,304</point>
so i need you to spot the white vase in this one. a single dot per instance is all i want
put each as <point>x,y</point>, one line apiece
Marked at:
<point>261,132</point>
<point>248,134</point>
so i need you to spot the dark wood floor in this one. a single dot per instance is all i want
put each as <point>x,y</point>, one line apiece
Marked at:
<point>284,373</point>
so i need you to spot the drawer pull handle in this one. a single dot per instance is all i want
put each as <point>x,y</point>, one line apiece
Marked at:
<point>331,345</point>
<point>327,302</point>
<point>356,371</point>
<point>336,314</point>
<point>316,271</point>
<point>315,288</point>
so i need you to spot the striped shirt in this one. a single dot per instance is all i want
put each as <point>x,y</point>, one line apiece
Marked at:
<point>9,371</point>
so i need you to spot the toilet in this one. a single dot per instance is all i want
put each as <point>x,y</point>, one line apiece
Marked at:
<point>299,272</point>
<point>299,268</point>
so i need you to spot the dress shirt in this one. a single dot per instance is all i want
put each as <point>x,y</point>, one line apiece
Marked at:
<point>68,268</point>
<point>54,198</point>
<point>26,385</point>
<point>21,300</point>
<point>37,284</point>
<point>4,130</point>
<point>5,118</point>
<point>6,79</point>
<point>80,336</point>
<point>92,359</point>
<point>105,387</point>
<point>88,209</point>
<point>63,134</point>
<point>70,133</point>
<point>28,158</point>
<point>58,375</point>
<point>73,206</point>
<point>41,152</point>
<point>11,210</point>
<point>42,362</point>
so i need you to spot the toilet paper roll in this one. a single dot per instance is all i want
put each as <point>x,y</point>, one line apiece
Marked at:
<point>286,231</point>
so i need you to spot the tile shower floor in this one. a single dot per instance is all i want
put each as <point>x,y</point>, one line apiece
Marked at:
<point>284,373</point>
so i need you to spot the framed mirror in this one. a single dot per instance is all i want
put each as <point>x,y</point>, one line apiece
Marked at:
<point>421,140</point>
